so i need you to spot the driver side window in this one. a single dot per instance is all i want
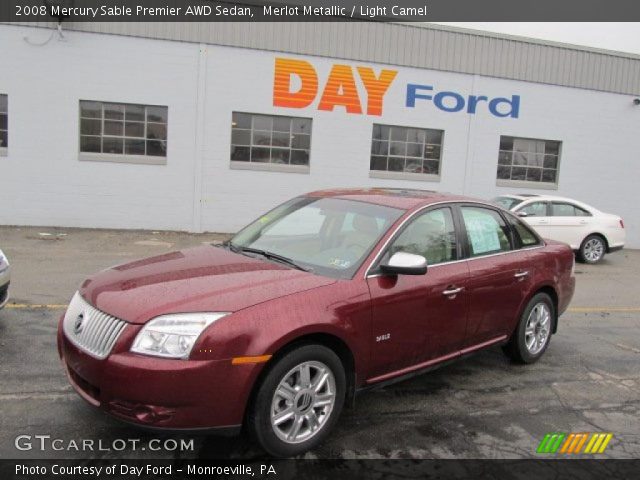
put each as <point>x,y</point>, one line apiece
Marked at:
<point>431,235</point>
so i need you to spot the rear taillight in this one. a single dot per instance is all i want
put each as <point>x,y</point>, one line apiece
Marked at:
<point>621,224</point>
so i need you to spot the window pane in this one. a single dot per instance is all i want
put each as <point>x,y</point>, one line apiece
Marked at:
<point>398,148</point>
<point>506,143</point>
<point>504,173</point>
<point>156,148</point>
<point>415,135</point>
<point>261,138</point>
<point>550,161</point>
<point>112,145</point>
<point>523,232</point>
<point>3,103</point>
<point>113,128</point>
<point>280,139</point>
<point>518,173</point>
<point>157,114</point>
<point>90,109</point>
<point>562,210</point>
<point>4,139</point>
<point>262,122</point>
<point>134,147</point>
<point>379,147</point>
<point>261,155</point>
<point>505,158</point>
<point>486,231</point>
<point>280,155</point>
<point>432,167</point>
<point>156,131</point>
<point>399,134</point>
<point>90,144</point>
<point>134,112</point>
<point>240,154</point>
<point>240,137</point>
<point>396,164</point>
<point>90,127</point>
<point>520,158</point>
<point>301,125</point>
<point>413,166</point>
<point>552,148</point>
<point>378,163</point>
<point>432,235</point>
<point>301,141</point>
<point>434,136</point>
<point>534,174</point>
<point>281,124</point>
<point>134,129</point>
<point>299,157</point>
<point>549,175</point>
<point>241,120</point>
<point>380,132</point>
<point>414,150</point>
<point>432,152</point>
<point>114,111</point>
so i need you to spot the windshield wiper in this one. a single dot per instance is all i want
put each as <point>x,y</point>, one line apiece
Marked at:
<point>270,256</point>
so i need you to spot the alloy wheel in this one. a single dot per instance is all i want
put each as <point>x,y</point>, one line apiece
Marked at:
<point>303,402</point>
<point>593,250</point>
<point>537,330</point>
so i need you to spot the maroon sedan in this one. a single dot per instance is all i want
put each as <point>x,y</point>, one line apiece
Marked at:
<point>326,295</point>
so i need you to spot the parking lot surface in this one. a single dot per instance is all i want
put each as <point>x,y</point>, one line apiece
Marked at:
<point>480,407</point>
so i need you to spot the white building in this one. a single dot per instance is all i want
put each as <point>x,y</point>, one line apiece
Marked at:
<point>202,127</point>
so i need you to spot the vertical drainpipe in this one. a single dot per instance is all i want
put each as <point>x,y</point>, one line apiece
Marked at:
<point>468,160</point>
<point>200,107</point>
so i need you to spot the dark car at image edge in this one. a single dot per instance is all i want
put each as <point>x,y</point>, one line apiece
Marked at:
<point>326,295</point>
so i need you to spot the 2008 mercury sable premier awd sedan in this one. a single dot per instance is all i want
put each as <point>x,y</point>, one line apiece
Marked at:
<point>320,298</point>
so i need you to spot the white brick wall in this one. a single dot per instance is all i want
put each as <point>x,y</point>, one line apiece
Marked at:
<point>43,183</point>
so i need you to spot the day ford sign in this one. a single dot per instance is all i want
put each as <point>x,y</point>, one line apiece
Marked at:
<point>297,85</point>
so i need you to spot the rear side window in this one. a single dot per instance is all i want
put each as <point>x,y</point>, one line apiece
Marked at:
<point>487,232</point>
<point>535,209</point>
<point>567,210</point>
<point>524,237</point>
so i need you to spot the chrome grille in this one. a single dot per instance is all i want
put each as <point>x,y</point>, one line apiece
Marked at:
<point>91,330</point>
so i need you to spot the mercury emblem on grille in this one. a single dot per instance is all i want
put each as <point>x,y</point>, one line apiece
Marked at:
<point>77,327</point>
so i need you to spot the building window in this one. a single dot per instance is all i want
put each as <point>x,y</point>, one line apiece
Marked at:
<point>528,160</point>
<point>4,124</point>
<point>405,150</point>
<point>123,132</point>
<point>270,142</point>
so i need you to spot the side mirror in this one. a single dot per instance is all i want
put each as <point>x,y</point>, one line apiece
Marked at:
<point>523,214</point>
<point>403,263</point>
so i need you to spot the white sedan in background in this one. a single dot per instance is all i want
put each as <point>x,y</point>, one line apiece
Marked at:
<point>5,276</point>
<point>590,232</point>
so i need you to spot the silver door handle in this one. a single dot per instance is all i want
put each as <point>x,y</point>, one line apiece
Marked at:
<point>453,291</point>
<point>521,274</point>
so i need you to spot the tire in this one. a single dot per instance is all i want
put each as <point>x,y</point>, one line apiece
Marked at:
<point>529,341</point>
<point>592,249</point>
<point>287,396</point>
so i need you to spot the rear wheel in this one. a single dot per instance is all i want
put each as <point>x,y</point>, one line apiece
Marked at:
<point>298,401</point>
<point>531,338</point>
<point>592,249</point>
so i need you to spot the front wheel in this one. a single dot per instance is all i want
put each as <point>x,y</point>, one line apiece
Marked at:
<point>298,401</point>
<point>532,336</point>
<point>592,249</point>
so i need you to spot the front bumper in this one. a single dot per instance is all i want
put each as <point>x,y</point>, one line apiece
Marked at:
<point>160,393</point>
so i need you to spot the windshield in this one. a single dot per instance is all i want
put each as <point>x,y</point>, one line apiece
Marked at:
<point>506,202</point>
<point>327,236</point>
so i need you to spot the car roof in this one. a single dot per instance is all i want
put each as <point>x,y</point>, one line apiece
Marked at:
<point>403,198</point>
<point>548,198</point>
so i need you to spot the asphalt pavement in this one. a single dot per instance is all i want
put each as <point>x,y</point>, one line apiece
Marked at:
<point>480,407</point>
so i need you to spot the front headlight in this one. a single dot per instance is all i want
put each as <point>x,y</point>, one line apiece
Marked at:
<point>173,336</point>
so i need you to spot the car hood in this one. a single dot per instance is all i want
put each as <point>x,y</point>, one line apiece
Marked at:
<point>201,279</point>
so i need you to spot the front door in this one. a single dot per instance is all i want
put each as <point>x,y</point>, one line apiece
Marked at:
<point>537,215</point>
<point>417,318</point>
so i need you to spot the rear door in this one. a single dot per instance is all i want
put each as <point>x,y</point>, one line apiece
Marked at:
<point>498,274</point>
<point>569,223</point>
